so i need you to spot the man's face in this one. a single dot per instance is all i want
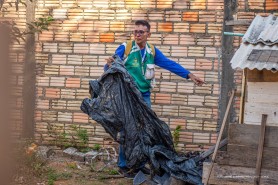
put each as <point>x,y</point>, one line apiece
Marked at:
<point>141,34</point>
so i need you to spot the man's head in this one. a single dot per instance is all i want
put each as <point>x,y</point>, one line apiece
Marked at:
<point>141,32</point>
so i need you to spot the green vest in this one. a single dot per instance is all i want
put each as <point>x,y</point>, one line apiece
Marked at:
<point>136,67</point>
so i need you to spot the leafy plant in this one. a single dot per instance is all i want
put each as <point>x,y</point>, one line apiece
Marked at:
<point>37,26</point>
<point>40,24</point>
<point>97,147</point>
<point>61,138</point>
<point>176,135</point>
<point>82,136</point>
<point>72,165</point>
<point>113,172</point>
<point>36,163</point>
<point>53,176</point>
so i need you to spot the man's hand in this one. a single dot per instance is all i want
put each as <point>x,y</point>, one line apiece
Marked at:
<point>109,61</point>
<point>196,80</point>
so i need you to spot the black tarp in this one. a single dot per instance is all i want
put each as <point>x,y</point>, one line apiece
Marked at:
<point>118,106</point>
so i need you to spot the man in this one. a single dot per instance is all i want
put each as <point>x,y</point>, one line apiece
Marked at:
<point>139,58</point>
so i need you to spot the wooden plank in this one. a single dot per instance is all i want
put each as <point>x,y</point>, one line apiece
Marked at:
<point>220,134</point>
<point>243,134</point>
<point>237,22</point>
<point>234,175</point>
<point>207,153</point>
<point>263,87</point>
<point>262,97</point>
<point>242,155</point>
<point>260,151</point>
<point>264,75</point>
<point>253,110</point>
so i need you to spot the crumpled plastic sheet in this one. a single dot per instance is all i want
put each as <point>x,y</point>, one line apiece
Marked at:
<point>118,106</point>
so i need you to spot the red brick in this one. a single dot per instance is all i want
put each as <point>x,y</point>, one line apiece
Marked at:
<point>165,27</point>
<point>73,82</point>
<point>67,70</point>
<point>80,117</point>
<point>197,5</point>
<point>197,28</point>
<point>117,26</point>
<point>164,4</point>
<point>107,37</point>
<point>271,4</point>
<point>190,16</point>
<point>162,98</point>
<point>52,93</point>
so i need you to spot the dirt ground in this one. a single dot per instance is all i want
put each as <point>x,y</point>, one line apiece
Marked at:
<point>61,170</point>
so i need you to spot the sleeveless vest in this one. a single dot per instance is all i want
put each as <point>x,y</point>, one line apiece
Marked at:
<point>138,66</point>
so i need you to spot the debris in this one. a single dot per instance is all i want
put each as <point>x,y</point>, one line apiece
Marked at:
<point>69,151</point>
<point>78,156</point>
<point>44,152</point>
<point>31,149</point>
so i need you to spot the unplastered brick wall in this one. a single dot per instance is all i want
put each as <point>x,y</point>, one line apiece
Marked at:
<point>10,14</point>
<point>85,32</point>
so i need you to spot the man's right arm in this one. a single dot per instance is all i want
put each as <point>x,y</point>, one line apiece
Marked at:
<point>120,51</point>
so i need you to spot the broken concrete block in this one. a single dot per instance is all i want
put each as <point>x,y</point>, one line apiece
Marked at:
<point>69,152</point>
<point>44,152</point>
<point>78,156</point>
<point>89,155</point>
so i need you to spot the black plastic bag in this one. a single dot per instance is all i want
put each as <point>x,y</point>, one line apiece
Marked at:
<point>118,106</point>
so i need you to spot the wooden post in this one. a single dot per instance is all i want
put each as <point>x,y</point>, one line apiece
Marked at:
<point>29,83</point>
<point>242,97</point>
<point>260,151</point>
<point>220,135</point>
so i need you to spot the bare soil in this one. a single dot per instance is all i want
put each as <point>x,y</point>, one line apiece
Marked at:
<point>61,170</point>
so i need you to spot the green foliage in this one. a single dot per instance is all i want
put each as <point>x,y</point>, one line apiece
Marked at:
<point>97,147</point>
<point>82,136</point>
<point>37,26</point>
<point>37,164</point>
<point>72,165</point>
<point>40,24</point>
<point>53,176</point>
<point>60,137</point>
<point>176,135</point>
<point>113,172</point>
<point>78,138</point>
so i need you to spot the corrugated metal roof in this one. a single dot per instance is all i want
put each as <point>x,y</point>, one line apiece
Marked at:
<point>262,29</point>
<point>242,60</point>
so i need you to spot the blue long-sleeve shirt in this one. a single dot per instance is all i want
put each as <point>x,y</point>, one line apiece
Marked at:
<point>160,60</point>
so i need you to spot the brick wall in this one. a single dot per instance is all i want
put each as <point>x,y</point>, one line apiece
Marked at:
<point>86,32</point>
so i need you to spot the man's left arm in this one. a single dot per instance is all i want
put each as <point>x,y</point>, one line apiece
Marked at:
<point>162,61</point>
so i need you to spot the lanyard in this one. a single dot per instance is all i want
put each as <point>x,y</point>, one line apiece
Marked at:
<point>143,59</point>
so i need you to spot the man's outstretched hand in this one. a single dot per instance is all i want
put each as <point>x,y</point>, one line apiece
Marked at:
<point>196,80</point>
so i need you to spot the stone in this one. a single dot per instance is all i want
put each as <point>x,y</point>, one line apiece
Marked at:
<point>78,156</point>
<point>69,151</point>
<point>44,152</point>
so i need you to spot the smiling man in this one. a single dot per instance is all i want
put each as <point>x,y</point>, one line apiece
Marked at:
<point>139,58</point>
